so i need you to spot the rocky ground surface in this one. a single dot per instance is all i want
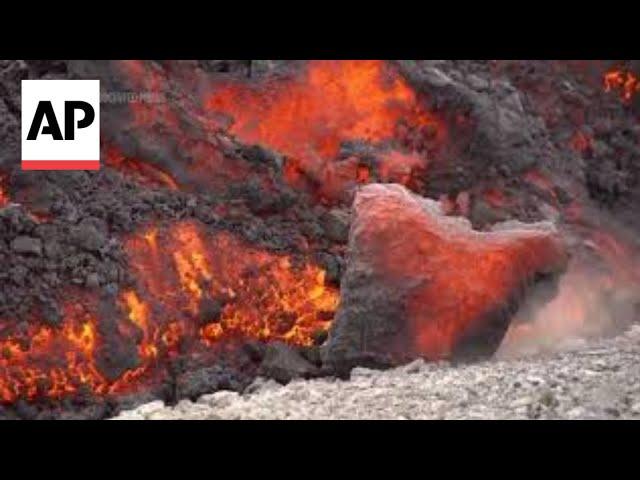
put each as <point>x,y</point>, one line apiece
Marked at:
<point>594,380</point>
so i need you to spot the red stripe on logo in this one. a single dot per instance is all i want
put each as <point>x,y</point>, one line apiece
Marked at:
<point>60,164</point>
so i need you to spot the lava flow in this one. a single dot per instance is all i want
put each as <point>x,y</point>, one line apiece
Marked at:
<point>193,290</point>
<point>219,287</point>
<point>173,126</point>
<point>622,81</point>
<point>144,173</point>
<point>581,142</point>
<point>51,362</point>
<point>4,198</point>
<point>309,116</point>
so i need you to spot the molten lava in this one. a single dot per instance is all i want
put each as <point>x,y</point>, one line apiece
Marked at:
<point>149,82</point>
<point>308,117</point>
<point>496,198</point>
<point>4,197</point>
<point>144,173</point>
<point>193,289</point>
<point>219,287</point>
<point>172,124</point>
<point>622,81</point>
<point>50,362</point>
<point>581,142</point>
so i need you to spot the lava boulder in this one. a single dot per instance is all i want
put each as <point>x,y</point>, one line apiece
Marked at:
<point>419,283</point>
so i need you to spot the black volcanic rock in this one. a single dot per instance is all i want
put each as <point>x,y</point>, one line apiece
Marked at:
<point>282,363</point>
<point>200,381</point>
<point>28,245</point>
<point>493,131</point>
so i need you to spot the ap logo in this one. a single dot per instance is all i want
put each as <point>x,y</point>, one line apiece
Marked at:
<point>60,124</point>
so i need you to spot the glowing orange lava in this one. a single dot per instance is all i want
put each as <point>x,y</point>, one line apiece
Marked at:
<point>496,198</point>
<point>192,287</point>
<point>150,83</point>
<point>4,197</point>
<point>309,116</point>
<point>227,288</point>
<point>162,121</point>
<point>581,142</point>
<point>143,172</point>
<point>624,82</point>
<point>53,363</point>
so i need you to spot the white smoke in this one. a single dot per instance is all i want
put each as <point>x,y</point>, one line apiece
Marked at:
<point>598,296</point>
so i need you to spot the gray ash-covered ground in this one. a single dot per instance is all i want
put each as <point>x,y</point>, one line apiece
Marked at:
<point>593,381</point>
<point>527,140</point>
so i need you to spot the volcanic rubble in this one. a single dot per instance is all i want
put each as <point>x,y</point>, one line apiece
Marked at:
<point>243,205</point>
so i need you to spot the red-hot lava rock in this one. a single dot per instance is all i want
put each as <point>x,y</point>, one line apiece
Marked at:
<point>419,283</point>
